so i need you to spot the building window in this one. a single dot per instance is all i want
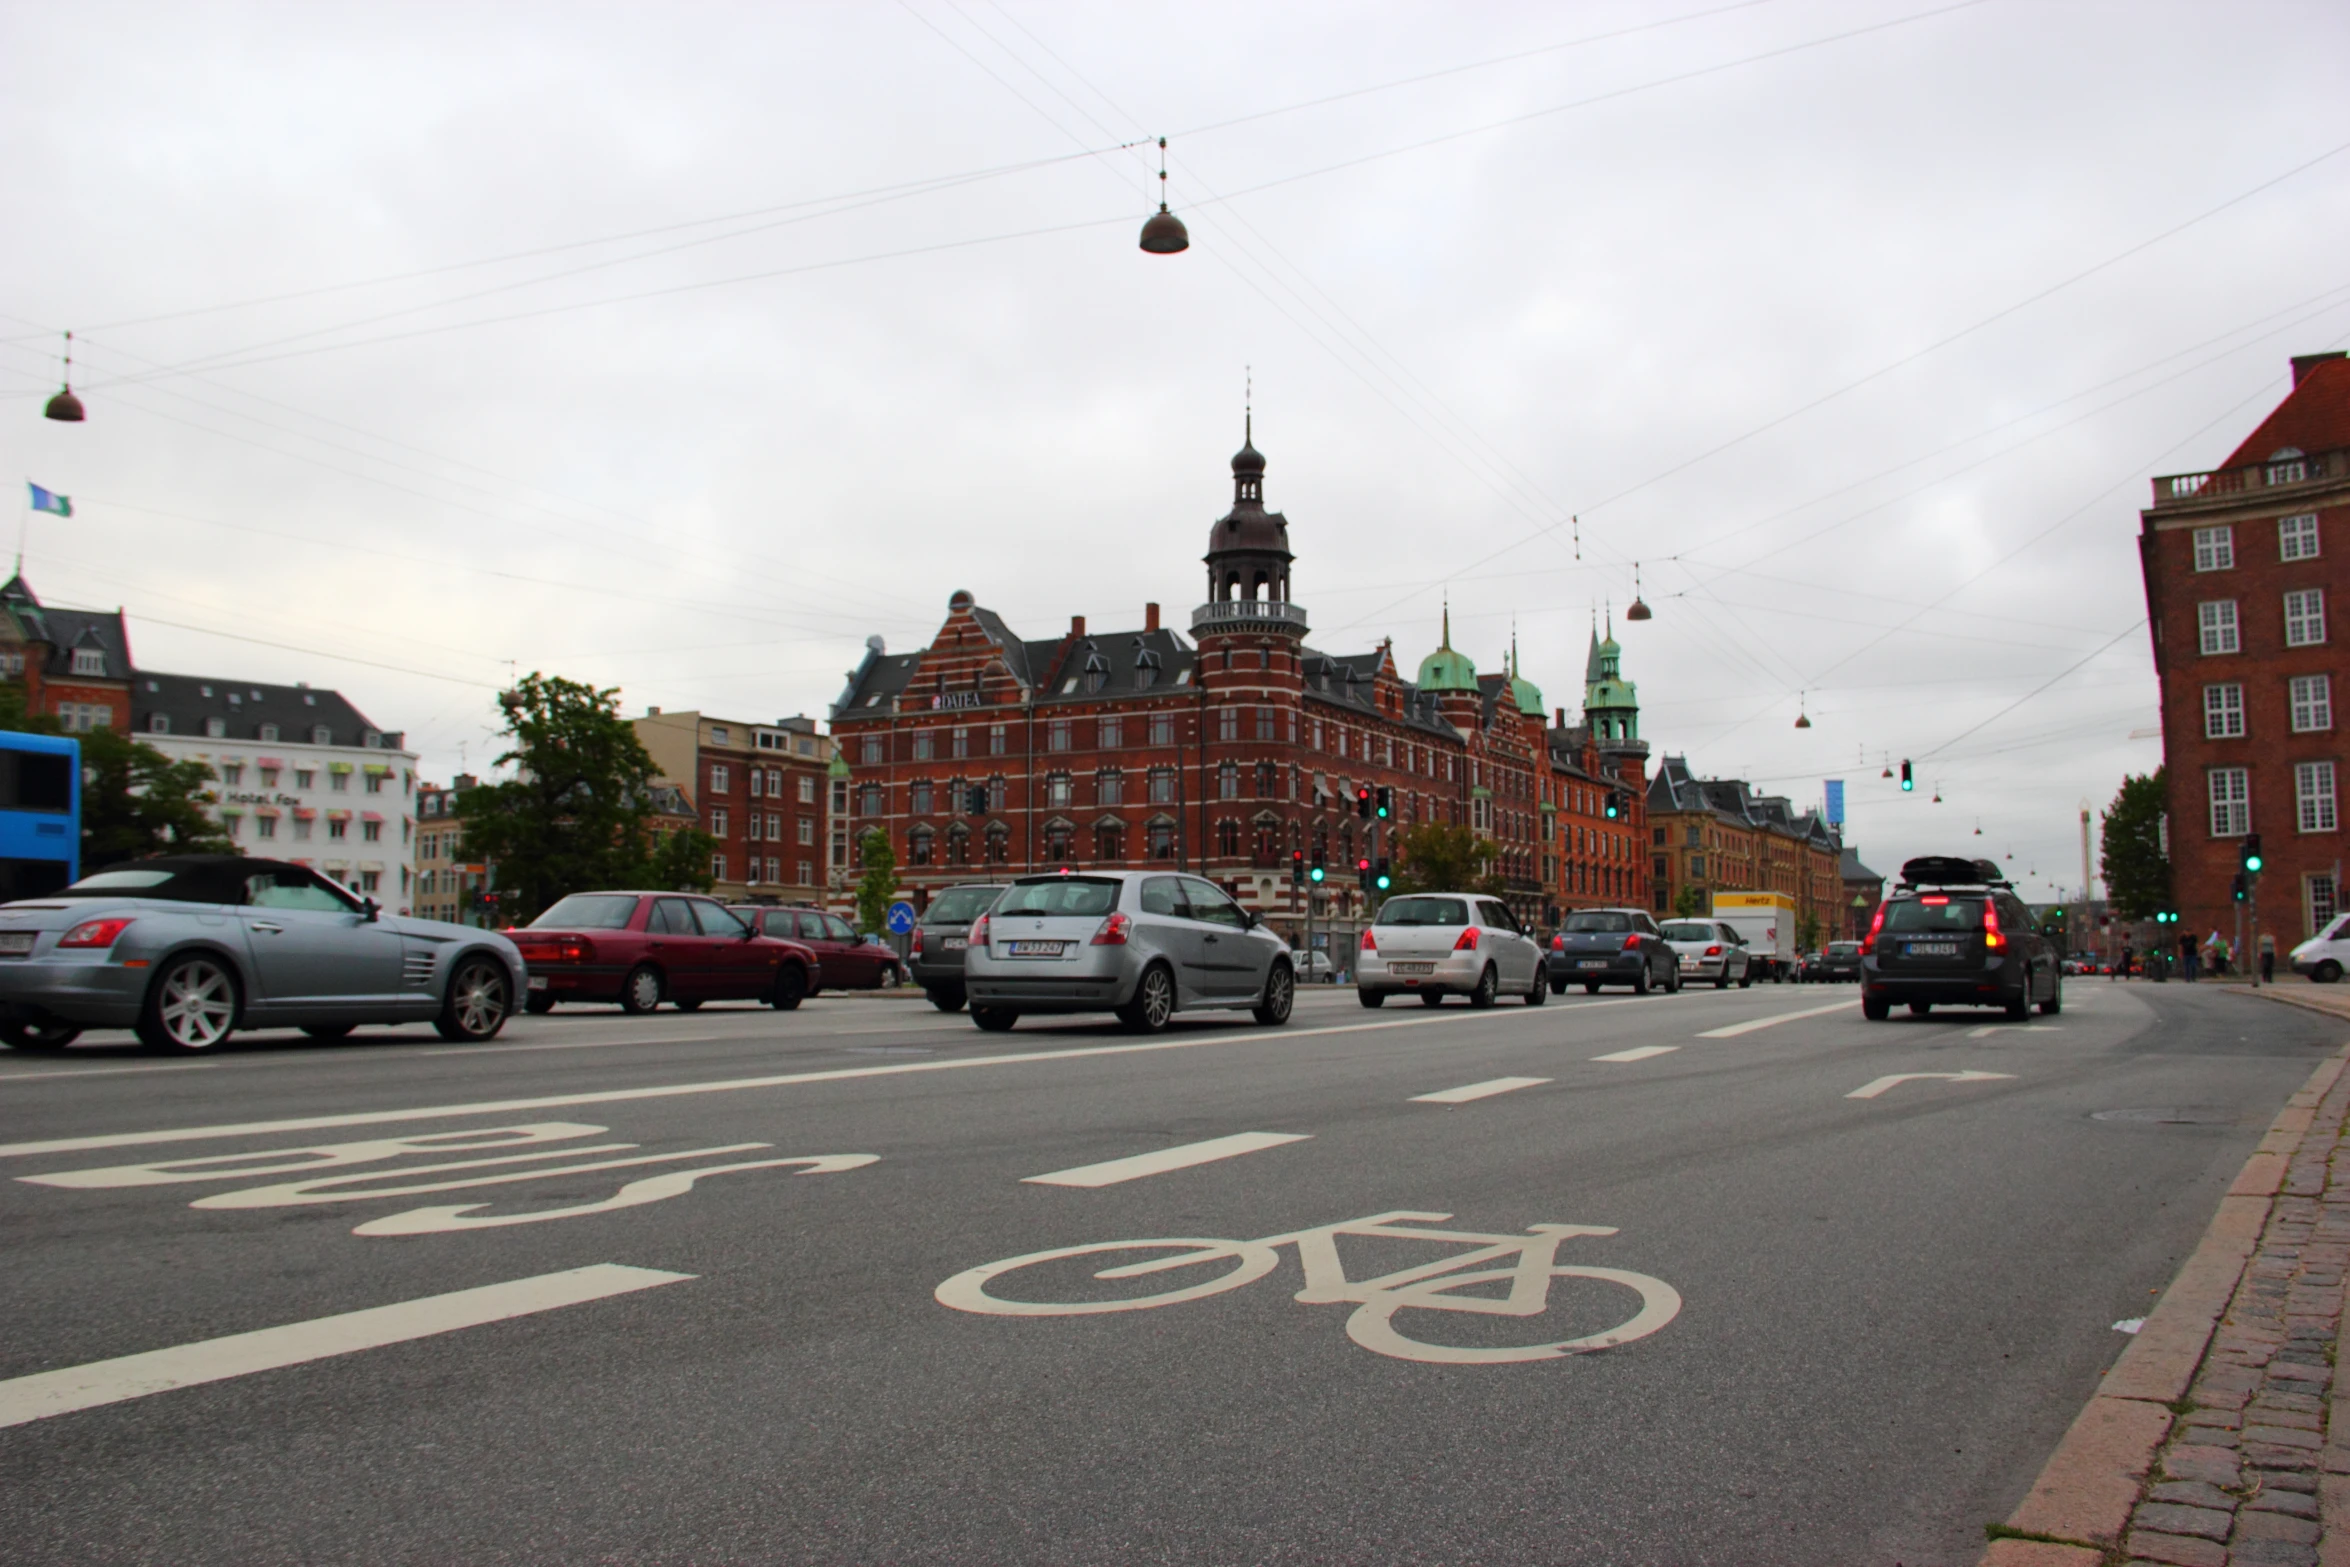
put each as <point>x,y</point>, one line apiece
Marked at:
<point>997,792</point>
<point>1109,787</point>
<point>1228,838</point>
<point>2305,617</point>
<point>1056,790</point>
<point>2215,549</point>
<point>1056,735</point>
<point>338,783</point>
<point>999,845</point>
<point>1268,780</point>
<point>371,832</point>
<point>807,834</point>
<point>925,745</point>
<point>918,797</point>
<point>807,789</point>
<point>718,821</point>
<point>1112,734</point>
<point>375,783</point>
<point>1228,781</point>
<point>321,735</point>
<point>89,661</point>
<point>2313,703</point>
<point>2231,802</point>
<point>1058,840</point>
<point>869,800</point>
<point>718,867</point>
<point>840,846</point>
<point>1162,840</point>
<point>2286,466</point>
<point>216,728</point>
<point>1265,717</point>
<point>918,845</point>
<point>1162,728</point>
<point>1227,723</point>
<point>158,724</point>
<point>337,828</point>
<point>2317,892</point>
<point>720,779</point>
<point>995,739</point>
<point>305,777</point>
<point>758,782</point>
<point>2223,712</point>
<point>2297,537</point>
<point>1162,785</point>
<point>2313,795</point>
<point>1109,843</point>
<point>2217,620</point>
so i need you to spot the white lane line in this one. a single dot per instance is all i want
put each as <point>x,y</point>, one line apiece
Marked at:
<point>315,1123</point>
<point>1485,1090</point>
<point>1773,1021</point>
<point>47,1393</point>
<point>1111,1171</point>
<point>1895,1080</point>
<point>1639,1053</point>
<point>1988,1029</point>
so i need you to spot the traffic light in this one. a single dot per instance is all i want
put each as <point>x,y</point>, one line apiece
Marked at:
<point>1907,782</point>
<point>1363,874</point>
<point>2238,889</point>
<point>975,800</point>
<point>1315,875</point>
<point>2250,854</point>
<point>1380,879</point>
<point>1363,801</point>
<point>1297,867</point>
<point>1614,806</point>
<point>1386,803</point>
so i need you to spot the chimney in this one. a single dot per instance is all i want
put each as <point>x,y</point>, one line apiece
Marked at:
<point>1562,723</point>
<point>1077,625</point>
<point>1150,617</point>
<point>652,712</point>
<point>2304,363</point>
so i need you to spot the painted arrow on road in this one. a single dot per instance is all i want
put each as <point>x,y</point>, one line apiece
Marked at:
<point>1898,1078</point>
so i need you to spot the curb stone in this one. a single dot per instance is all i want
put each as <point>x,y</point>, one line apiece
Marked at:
<point>2208,1441</point>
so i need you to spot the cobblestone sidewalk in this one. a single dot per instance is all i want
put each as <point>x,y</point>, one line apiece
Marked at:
<point>2251,1467</point>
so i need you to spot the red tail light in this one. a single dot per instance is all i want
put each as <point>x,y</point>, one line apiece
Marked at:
<point>1868,943</point>
<point>1468,941</point>
<point>1714,951</point>
<point>1632,942</point>
<point>1992,940</point>
<point>93,933</point>
<point>915,950</point>
<point>1113,931</point>
<point>1558,943</point>
<point>576,949</point>
<point>1368,945</point>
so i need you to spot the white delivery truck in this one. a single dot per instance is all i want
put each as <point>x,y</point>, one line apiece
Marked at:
<point>1765,921</point>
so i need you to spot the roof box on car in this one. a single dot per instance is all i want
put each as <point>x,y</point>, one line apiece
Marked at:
<point>1949,870</point>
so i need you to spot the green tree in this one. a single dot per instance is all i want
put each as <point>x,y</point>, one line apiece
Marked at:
<point>879,883</point>
<point>578,813</point>
<point>1439,857</point>
<point>1807,932</point>
<point>1689,903</point>
<point>2137,876</point>
<point>135,800</point>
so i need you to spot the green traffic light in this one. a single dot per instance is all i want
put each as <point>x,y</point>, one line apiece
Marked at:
<point>1314,875</point>
<point>1381,883</point>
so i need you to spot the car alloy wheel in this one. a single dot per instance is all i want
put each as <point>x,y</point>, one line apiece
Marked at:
<point>1280,997</point>
<point>1153,1003</point>
<point>641,991</point>
<point>1488,986</point>
<point>480,998</point>
<point>1539,991</point>
<point>192,1007</point>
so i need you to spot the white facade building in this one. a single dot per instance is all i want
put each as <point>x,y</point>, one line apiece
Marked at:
<point>300,774</point>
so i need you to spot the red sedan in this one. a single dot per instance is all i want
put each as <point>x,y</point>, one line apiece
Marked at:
<point>848,963</point>
<point>643,948</point>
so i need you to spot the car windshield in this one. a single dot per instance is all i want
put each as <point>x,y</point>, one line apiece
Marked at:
<point>1597,924</point>
<point>1934,912</point>
<point>1061,895</point>
<point>960,905</point>
<point>1424,911</point>
<point>589,911</point>
<point>1688,930</point>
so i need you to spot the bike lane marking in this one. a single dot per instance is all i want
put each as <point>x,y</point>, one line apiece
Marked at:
<point>313,1123</point>
<point>1896,1079</point>
<point>1485,1090</point>
<point>47,1393</point>
<point>1773,1021</point>
<point>1639,1053</point>
<point>1112,1171</point>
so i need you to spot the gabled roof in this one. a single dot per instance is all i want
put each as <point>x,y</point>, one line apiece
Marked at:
<point>67,629</point>
<point>1113,664</point>
<point>1848,865</point>
<point>2314,417</point>
<point>187,703</point>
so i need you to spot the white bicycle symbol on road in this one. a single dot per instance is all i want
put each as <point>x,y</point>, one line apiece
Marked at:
<point>1530,1267</point>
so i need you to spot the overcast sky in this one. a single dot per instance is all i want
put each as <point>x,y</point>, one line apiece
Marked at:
<point>683,348</point>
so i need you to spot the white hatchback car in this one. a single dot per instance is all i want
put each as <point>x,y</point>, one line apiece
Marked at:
<point>1440,944</point>
<point>2325,955</point>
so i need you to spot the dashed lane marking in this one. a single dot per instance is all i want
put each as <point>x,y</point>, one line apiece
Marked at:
<point>48,1393</point>
<point>1639,1053</point>
<point>1485,1090</point>
<point>1896,1079</point>
<point>1988,1029</point>
<point>1112,1171</point>
<point>1773,1021</point>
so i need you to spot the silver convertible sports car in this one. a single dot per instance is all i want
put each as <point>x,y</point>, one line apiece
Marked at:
<point>187,948</point>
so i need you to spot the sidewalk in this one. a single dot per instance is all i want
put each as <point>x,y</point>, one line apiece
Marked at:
<point>2216,1440</point>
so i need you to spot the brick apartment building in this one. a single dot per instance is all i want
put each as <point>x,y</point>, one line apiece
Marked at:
<point>74,664</point>
<point>1227,754</point>
<point>2239,564</point>
<point>1713,835</point>
<point>759,789</point>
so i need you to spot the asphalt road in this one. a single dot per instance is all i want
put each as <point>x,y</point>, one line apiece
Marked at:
<point>1888,1308</point>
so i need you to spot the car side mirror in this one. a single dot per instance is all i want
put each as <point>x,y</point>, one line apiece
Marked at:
<point>369,909</point>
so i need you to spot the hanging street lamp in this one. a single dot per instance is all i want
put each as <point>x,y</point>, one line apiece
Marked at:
<point>65,408</point>
<point>1163,233</point>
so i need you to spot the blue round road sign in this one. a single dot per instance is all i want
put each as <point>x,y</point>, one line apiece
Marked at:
<point>901,918</point>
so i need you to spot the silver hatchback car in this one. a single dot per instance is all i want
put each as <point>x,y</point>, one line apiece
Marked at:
<point>186,948</point>
<point>1142,944</point>
<point>1439,944</point>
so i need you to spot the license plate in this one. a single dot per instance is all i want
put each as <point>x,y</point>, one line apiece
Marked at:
<point>1593,963</point>
<point>1035,949</point>
<point>536,982</point>
<point>1411,968</point>
<point>18,942</point>
<point>1929,949</point>
<point>1690,963</point>
<point>954,944</point>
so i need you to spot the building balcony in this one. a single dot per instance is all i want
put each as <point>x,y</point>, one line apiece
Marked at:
<point>2301,470</point>
<point>1249,615</point>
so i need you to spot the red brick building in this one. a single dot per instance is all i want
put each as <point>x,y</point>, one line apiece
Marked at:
<point>759,789</point>
<point>1226,753</point>
<point>2240,564</point>
<point>74,664</point>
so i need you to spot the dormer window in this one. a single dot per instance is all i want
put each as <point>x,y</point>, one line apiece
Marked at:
<point>158,724</point>
<point>373,741</point>
<point>216,728</point>
<point>89,661</point>
<point>269,732</point>
<point>2285,466</point>
<point>321,735</point>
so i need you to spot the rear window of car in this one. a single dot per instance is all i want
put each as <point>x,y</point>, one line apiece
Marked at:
<point>960,905</point>
<point>1424,911</point>
<point>177,884</point>
<point>588,911</point>
<point>1934,912</point>
<point>1843,949</point>
<point>1687,930</point>
<point>1061,895</point>
<point>1601,924</point>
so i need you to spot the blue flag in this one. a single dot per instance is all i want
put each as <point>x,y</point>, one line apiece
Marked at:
<point>44,500</point>
<point>1835,802</point>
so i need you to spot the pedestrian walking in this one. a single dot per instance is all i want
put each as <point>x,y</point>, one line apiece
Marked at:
<point>2187,958</point>
<point>2268,964</point>
<point>2121,968</point>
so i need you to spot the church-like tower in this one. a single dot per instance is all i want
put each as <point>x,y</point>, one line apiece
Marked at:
<point>1248,558</point>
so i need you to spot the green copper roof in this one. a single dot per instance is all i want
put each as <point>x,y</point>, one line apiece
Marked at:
<point>1444,669</point>
<point>1524,692</point>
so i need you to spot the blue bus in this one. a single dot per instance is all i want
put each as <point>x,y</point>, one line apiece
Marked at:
<point>40,814</point>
